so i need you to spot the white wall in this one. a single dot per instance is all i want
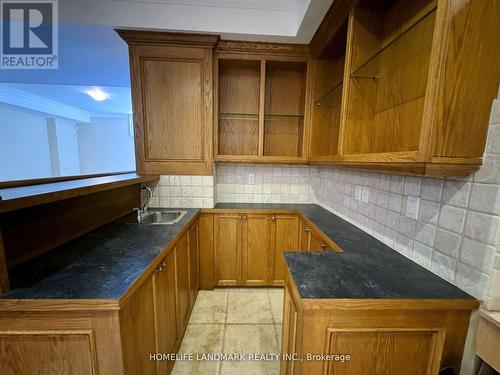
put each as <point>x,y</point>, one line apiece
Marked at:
<point>24,148</point>
<point>67,143</point>
<point>105,145</point>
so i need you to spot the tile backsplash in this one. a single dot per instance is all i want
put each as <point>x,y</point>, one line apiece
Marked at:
<point>250,183</point>
<point>183,191</point>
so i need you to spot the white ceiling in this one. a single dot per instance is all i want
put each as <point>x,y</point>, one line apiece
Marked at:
<point>293,21</point>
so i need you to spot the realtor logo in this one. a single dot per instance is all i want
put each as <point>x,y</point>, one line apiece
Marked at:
<point>29,34</point>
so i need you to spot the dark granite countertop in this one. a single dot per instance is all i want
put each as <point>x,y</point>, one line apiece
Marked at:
<point>366,269</point>
<point>102,264</point>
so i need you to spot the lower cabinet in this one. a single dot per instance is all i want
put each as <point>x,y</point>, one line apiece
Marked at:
<point>255,249</point>
<point>182,284</point>
<point>390,337</point>
<point>194,262</point>
<point>249,247</point>
<point>164,297</point>
<point>285,237</point>
<point>227,246</point>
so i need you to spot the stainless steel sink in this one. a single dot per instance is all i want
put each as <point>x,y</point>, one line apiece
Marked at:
<point>161,217</point>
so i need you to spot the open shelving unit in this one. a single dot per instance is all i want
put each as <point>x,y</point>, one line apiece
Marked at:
<point>239,93</point>
<point>327,96</point>
<point>261,109</point>
<point>391,46</point>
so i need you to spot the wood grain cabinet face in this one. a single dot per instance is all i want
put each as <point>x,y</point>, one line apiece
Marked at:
<point>194,275</point>
<point>172,99</point>
<point>285,237</point>
<point>165,310</point>
<point>414,93</point>
<point>256,249</point>
<point>304,236</point>
<point>182,284</point>
<point>261,107</point>
<point>227,238</point>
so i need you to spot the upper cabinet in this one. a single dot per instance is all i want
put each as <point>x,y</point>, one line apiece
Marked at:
<point>261,102</point>
<point>406,86</point>
<point>392,85</point>
<point>171,77</point>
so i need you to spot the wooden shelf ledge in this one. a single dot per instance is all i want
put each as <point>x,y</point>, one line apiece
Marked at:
<point>33,195</point>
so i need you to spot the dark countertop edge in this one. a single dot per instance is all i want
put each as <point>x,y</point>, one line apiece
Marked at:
<point>32,195</point>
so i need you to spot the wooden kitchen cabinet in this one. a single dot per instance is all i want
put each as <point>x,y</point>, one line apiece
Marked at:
<point>165,302</point>
<point>182,284</point>
<point>171,77</point>
<point>227,249</point>
<point>415,90</point>
<point>262,102</point>
<point>256,249</point>
<point>194,262</point>
<point>304,236</point>
<point>389,337</point>
<point>285,237</point>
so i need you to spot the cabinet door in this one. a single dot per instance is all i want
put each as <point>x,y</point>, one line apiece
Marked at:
<point>256,249</point>
<point>165,310</point>
<point>285,238</point>
<point>172,100</point>
<point>304,236</point>
<point>316,243</point>
<point>194,276</point>
<point>182,283</point>
<point>137,331</point>
<point>289,334</point>
<point>227,238</point>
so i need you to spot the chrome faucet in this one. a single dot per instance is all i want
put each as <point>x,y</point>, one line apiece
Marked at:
<point>150,195</point>
<point>144,208</point>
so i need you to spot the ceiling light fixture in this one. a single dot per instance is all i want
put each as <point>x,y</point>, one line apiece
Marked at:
<point>97,94</point>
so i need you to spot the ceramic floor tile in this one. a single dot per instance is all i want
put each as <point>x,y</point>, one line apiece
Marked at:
<point>210,307</point>
<point>196,368</point>
<point>249,307</point>
<point>250,368</point>
<point>276,299</point>
<point>250,338</point>
<point>277,328</point>
<point>202,338</point>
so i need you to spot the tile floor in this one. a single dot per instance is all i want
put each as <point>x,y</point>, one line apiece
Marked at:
<point>233,320</point>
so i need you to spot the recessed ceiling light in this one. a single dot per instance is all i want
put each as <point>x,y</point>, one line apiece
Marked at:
<point>97,94</point>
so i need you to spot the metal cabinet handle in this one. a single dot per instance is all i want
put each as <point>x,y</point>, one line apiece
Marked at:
<point>323,245</point>
<point>244,217</point>
<point>240,217</point>
<point>274,217</point>
<point>306,229</point>
<point>162,266</point>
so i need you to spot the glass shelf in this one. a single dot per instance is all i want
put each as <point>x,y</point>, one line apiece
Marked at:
<point>271,117</point>
<point>406,46</point>
<point>332,97</point>
<point>238,116</point>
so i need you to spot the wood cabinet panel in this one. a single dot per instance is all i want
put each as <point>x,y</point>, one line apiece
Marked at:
<point>304,236</point>
<point>289,333</point>
<point>256,249</point>
<point>182,284</point>
<point>137,328</point>
<point>172,98</point>
<point>206,247</point>
<point>165,310</point>
<point>56,352</point>
<point>227,238</point>
<point>172,134</point>
<point>412,352</point>
<point>285,238</point>
<point>194,273</point>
